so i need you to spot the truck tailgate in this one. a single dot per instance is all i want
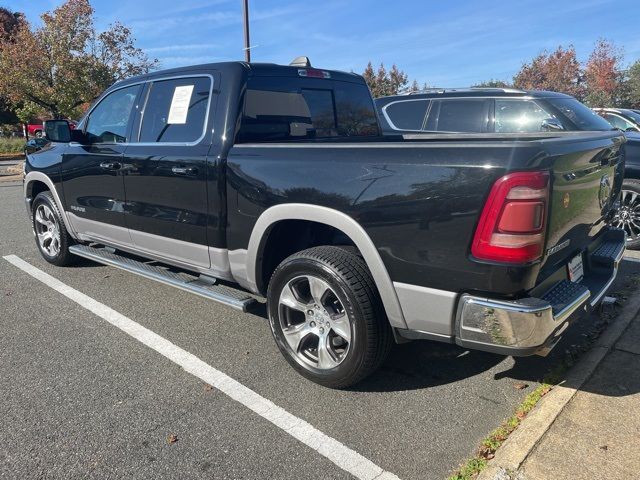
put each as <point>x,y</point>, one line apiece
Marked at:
<point>584,185</point>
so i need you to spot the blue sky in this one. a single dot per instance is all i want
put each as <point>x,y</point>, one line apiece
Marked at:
<point>452,44</point>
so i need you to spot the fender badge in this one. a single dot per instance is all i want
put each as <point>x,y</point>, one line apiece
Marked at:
<point>558,247</point>
<point>566,199</point>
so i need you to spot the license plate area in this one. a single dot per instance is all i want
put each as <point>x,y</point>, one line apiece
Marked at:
<point>575,268</point>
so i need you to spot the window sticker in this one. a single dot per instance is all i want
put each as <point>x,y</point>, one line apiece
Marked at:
<point>180,105</point>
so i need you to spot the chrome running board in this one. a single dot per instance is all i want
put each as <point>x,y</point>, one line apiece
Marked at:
<point>205,286</point>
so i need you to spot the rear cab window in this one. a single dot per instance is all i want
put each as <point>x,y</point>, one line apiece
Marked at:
<point>282,109</point>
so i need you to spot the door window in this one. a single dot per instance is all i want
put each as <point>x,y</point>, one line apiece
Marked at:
<point>470,115</point>
<point>618,122</point>
<point>109,120</point>
<point>407,114</point>
<point>176,110</point>
<point>519,116</point>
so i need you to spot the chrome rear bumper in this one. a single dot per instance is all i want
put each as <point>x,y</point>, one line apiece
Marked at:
<point>533,325</point>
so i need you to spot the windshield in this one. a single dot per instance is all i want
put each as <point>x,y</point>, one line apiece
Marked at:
<point>581,116</point>
<point>635,116</point>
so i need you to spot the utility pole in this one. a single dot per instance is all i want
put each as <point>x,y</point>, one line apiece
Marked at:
<point>245,13</point>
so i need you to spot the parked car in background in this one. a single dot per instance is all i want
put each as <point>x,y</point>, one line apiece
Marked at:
<point>277,178</point>
<point>35,129</point>
<point>625,119</point>
<point>628,120</point>
<point>508,110</point>
<point>485,110</point>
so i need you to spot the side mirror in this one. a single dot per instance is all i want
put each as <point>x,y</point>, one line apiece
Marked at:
<point>551,125</point>
<point>57,131</point>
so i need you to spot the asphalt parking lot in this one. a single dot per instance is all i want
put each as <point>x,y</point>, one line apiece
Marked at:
<point>82,398</point>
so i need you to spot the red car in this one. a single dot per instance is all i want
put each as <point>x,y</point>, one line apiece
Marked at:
<point>36,129</point>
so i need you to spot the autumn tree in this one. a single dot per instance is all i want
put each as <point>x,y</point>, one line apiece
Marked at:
<point>383,82</point>
<point>558,71</point>
<point>66,63</point>
<point>603,75</point>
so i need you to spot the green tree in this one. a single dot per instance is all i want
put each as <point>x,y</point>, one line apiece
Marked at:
<point>631,86</point>
<point>9,23</point>
<point>383,82</point>
<point>65,63</point>
<point>558,71</point>
<point>493,83</point>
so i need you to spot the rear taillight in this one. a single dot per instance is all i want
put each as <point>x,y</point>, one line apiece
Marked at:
<point>513,222</point>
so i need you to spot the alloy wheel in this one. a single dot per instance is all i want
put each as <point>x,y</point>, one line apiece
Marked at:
<point>314,322</point>
<point>47,230</point>
<point>628,215</point>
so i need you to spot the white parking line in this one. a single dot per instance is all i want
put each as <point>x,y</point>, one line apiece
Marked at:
<point>338,453</point>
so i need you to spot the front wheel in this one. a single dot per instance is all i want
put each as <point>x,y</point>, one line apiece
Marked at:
<point>628,216</point>
<point>52,237</point>
<point>326,316</point>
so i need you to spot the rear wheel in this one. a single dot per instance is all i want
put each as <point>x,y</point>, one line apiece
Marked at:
<point>628,216</point>
<point>326,316</point>
<point>52,237</point>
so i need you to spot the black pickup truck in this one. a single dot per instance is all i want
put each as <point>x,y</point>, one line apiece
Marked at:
<point>277,179</point>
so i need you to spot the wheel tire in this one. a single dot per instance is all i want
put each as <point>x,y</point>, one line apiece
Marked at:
<point>350,283</point>
<point>45,208</point>
<point>630,208</point>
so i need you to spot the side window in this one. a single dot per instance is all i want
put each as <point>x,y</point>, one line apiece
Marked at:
<point>617,122</point>
<point>407,114</point>
<point>519,116</point>
<point>469,115</point>
<point>175,110</point>
<point>108,122</point>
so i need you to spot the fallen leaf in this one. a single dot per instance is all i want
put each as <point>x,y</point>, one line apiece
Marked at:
<point>172,439</point>
<point>521,386</point>
<point>208,388</point>
<point>604,447</point>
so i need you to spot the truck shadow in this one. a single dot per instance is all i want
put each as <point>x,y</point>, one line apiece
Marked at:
<point>424,364</point>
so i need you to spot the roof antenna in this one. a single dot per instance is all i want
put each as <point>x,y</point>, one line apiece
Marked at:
<point>301,62</point>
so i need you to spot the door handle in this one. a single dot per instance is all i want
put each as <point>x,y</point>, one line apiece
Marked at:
<point>111,165</point>
<point>184,170</point>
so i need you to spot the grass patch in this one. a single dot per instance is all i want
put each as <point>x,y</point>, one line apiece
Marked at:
<point>12,145</point>
<point>488,446</point>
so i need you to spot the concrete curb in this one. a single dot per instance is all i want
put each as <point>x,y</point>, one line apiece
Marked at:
<point>512,454</point>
